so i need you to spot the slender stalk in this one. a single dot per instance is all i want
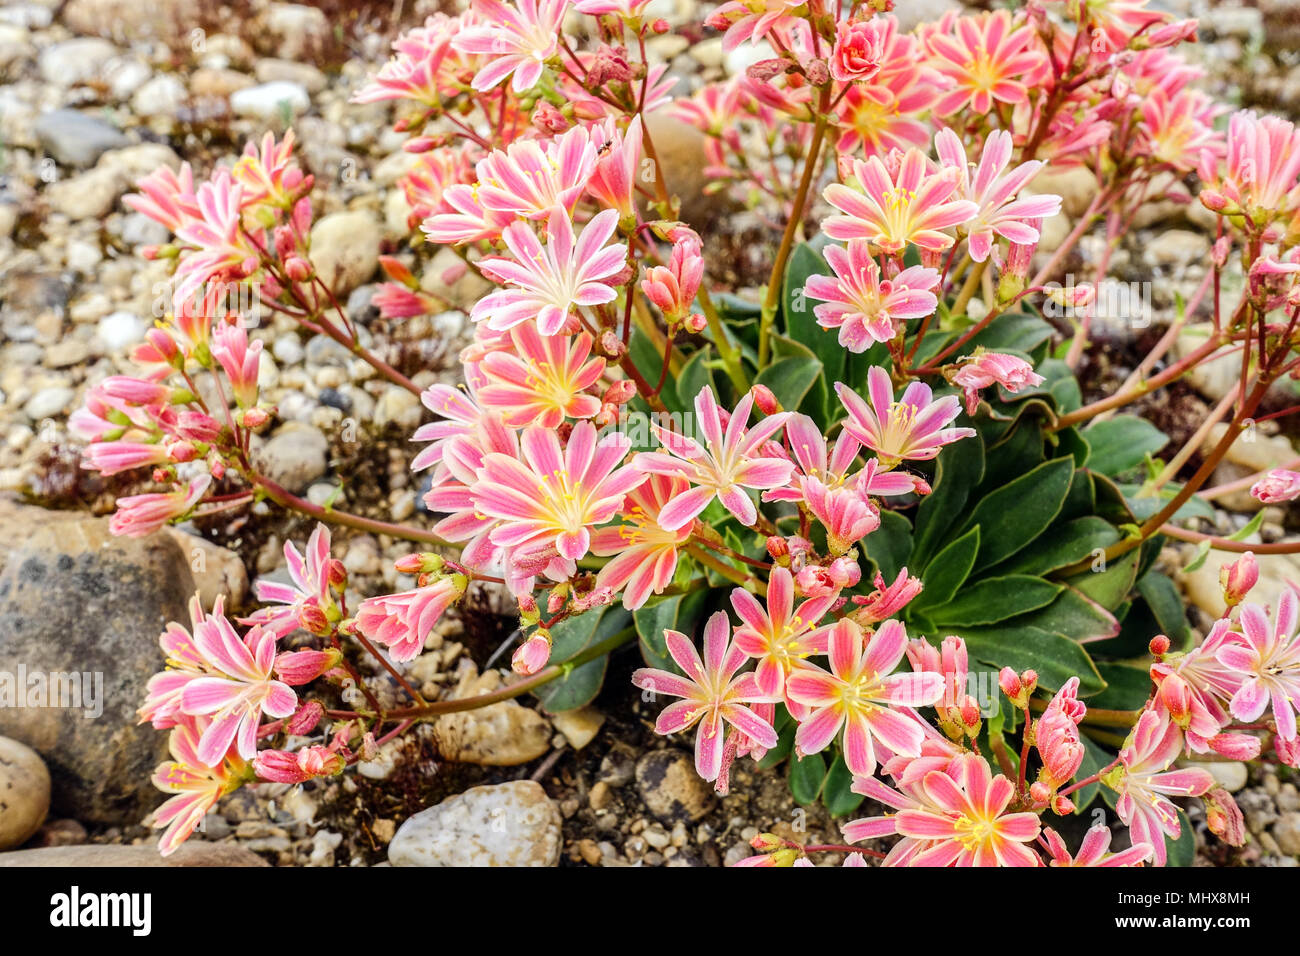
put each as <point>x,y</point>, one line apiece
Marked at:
<point>772,298</point>
<point>287,499</point>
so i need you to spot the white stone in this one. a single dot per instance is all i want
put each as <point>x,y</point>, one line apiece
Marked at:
<point>24,792</point>
<point>506,824</point>
<point>270,100</point>
<point>120,330</point>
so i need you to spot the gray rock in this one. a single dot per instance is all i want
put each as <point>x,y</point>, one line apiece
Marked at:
<point>76,139</point>
<point>24,793</point>
<point>671,788</point>
<point>506,824</point>
<point>194,853</point>
<point>294,457</point>
<point>75,600</point>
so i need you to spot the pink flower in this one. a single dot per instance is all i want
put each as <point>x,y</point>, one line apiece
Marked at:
<point>516,39</point>
<point>237,688</point>
<point>1094,850</point>
<point>1057,736</point>
<point>911,428</point>
<point>672,288</point>
<point>968,824</point>
<point>860,49</point>
<point>222,251</point>
<point>644,553</point>
<point>240,359</point>
<point>531,179</point>
<point>197,785</point>
<point>751,21</point>
<point>1203,685</point>
<point>310,574</point>
<point>1277,486</point>
<point>282,766</point>
<point>712,693</point>
<point>984,61</point>
<point>167,197</point>
<point>858,695</point>
<point>863,307</point>
<point>958,711</point>
<point>994,192</point>
<point>722,468</point>
<point>892,209</point>
<point>542,380</point>
<point>1269,663</point>
<point>887,600</point>
<point>402,622</point>
<point>845,512</point>
<point>162,705</point>
<point>138,516</point>
<point>779,638</point>
<point>549,283</point>
<point>817,580</point>
<point>112,457</point>
<point>1262,168</point>
<point>460,414</point>
<point>989,368</point>
<point>424,67</point>
<point>613,181</point>
<point>296,668</point>
<point>553,498</point>
<point>1144,783</point>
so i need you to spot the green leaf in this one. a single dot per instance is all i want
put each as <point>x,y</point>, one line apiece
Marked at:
<point>1127,687</point>
<point>1065,545</point>
<point>790,379</point>
<point>1145,506</point>
<point>678,612</point>
<point>995,599</point>
<point>1182,852</point>
<point>1055,657</point>
<point>576,689</point>
<point>1166,604</point>
<point>695,377</point>
<point>569,638</point>
<point>801,322</point>
<point>1015,331</point>
<point>959,468</point>
<point>1111,587</point>
<point>1094,759</point>
<point>889,545</point>
<point>806,777</point>
<point>949,569</point>
<point>1017,513</point>
<point>1074,616</point>
<point>839,799</point>
<point>1122,443</point>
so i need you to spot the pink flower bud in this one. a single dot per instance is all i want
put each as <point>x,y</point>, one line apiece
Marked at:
<point>620,392</point>
<point>1235,746</point>
<point>1159,646</point>
<point>305,718</point>
<point>532,655</point>
<point>302,667</point>
<point>1176,695</point>
<point>1238,578</point>
<point>1223,816</point>
<point>765,399</point>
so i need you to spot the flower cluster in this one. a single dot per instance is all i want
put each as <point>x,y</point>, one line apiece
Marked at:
<point>769,490</point>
